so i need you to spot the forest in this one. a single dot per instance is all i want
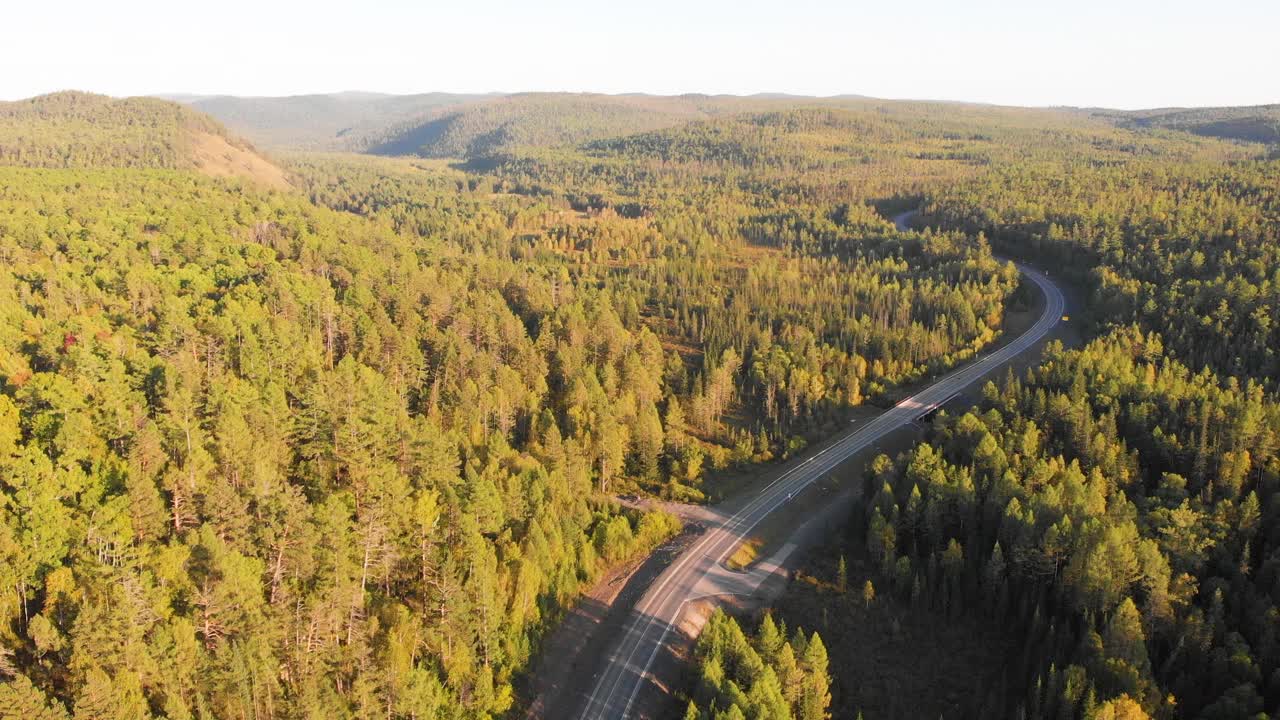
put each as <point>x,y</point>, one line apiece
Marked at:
<point>334,435</point>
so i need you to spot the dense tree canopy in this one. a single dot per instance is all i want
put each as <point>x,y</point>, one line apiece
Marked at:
<point>1189,250</point>
<point>1116,505</point>
<point>766,676</point>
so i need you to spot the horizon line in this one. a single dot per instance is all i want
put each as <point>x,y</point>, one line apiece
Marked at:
<point>192,97</point>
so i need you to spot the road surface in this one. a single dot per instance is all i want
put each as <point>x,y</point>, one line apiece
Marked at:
<point>700,571</point>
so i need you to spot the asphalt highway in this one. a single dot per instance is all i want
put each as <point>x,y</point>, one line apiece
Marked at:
<point>656,615</point>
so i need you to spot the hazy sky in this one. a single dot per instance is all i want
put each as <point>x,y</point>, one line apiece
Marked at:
<point>1117,53</point>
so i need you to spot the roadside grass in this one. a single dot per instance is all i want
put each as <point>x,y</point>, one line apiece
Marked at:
<point>746,554</point>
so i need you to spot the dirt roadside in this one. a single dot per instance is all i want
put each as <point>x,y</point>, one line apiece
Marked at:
<point>562,675</point>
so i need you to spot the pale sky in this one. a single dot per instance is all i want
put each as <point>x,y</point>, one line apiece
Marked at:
<point>1114,53</point>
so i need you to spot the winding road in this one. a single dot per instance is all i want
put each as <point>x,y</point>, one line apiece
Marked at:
<point>700,571</point>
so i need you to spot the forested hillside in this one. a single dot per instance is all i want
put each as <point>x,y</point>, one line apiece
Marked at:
<point>73,129</point>
<point>1249,124</point>
<point>534,119</point>
<point>81,130</point>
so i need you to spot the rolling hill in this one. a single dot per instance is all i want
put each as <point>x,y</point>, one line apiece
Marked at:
<point>82,130</point>
<point>1259,123</point>
<point>543,119</point>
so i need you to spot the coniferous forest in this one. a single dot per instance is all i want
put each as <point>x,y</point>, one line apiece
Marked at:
<point>301,433</point>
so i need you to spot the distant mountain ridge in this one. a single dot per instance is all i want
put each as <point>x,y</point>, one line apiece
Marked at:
<point>322,122</point>
<point>449,125</point>
<point>460,125</point>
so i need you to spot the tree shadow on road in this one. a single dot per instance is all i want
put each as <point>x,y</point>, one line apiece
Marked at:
<point>564,672</point>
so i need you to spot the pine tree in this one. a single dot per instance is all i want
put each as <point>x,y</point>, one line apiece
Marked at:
<point>769,640</point>
<point>815,696</point>
<point>790,674</point>
<point>20,700</point>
